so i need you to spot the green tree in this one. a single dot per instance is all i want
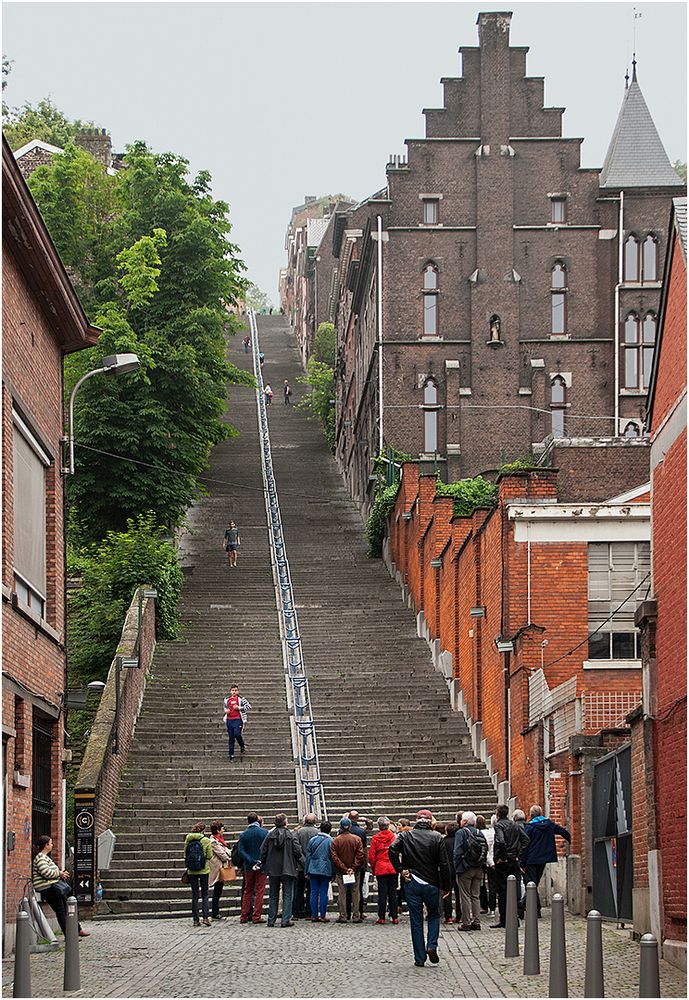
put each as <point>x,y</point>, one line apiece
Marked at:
<point>319,404</point>
<point>255,298</point>
<point>38,121</point>
<point>325,344</point>
<point>681,169</point>
<point>111,572</point>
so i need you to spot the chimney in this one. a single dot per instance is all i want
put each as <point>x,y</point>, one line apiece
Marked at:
<point>494,28</point>
<point>309,199</point>
<point>97,142</point>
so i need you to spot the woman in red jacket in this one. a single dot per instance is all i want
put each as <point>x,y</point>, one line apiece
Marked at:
<point>383,869</point>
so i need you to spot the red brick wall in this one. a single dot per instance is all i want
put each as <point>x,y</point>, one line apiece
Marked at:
<point>33,658</point>
<point>671,377</point>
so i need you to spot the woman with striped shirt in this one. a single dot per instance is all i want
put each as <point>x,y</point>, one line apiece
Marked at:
<point>46,875</point>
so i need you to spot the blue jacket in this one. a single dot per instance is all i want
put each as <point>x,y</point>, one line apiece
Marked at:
<point>540,849</point>
<point>250,844</point>
<point>318,858</point>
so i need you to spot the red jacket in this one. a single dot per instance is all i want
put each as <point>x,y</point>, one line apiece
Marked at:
<point>378,853</point>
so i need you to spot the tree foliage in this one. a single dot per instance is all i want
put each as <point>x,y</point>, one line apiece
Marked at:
<point>325,344</point>
<point>256,298</point>
<point>111,572</point>
<point>681,169</point>
<point>468,494</point>
<point>320,403</point>
<point>150,255</point>
<point>38,121</point>
<point>381,509</point>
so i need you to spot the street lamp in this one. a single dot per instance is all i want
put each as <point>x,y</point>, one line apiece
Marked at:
<point>114,364</point>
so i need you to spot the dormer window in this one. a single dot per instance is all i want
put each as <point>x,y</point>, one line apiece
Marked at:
<point>431,211</point>
<point>558,210</point>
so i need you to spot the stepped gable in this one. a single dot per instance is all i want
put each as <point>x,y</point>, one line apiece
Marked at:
<point>636,157</point>
<point>494,98</point>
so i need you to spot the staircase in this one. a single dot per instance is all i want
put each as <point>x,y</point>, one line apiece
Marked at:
<point>388,741</point>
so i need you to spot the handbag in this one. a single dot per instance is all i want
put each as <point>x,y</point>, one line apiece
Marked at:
<point>185,878</point>
<point>228,873</point>
<point>63,888</point>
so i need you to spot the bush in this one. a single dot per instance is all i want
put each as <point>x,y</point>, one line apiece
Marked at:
<point>319,404</point>
<point>111,572</point>
<point>383,505</point>
<point>468,494</point>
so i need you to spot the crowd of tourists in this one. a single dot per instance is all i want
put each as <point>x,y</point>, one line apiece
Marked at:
<point>456,871</point>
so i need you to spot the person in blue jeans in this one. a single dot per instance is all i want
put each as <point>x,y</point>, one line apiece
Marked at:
<point>540,849</point>
<point>320,869</point>
<point>236,710</point>
<point>419,855</point>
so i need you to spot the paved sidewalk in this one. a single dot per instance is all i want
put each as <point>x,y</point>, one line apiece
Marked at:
<point>169,958</point>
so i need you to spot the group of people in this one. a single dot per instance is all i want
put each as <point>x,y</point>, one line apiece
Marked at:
<point>419,866</point>
<point>286,394</point>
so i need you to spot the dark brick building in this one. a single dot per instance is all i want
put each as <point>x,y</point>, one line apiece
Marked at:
<point>519,291</point>
<point>42,321</point>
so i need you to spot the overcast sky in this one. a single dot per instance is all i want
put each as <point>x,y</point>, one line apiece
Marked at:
<point>279,100</point>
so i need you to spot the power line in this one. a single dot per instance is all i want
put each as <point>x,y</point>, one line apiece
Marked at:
<point>605,622</point>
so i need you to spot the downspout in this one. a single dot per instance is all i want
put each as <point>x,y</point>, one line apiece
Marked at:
<point>620,269</point>
<point>381,437</point>
<point>528,573</point>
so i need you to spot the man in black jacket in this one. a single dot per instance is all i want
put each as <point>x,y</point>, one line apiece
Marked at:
<point>280,856</point>
<point>510,842</point>
<point>419,855</point>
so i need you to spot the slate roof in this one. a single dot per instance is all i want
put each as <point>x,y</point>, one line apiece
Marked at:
<point>636,156</point>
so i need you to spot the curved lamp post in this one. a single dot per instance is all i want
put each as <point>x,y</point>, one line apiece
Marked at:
<point>114,364</point>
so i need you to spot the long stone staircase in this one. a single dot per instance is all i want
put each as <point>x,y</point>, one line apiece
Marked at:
<point>388,740</point>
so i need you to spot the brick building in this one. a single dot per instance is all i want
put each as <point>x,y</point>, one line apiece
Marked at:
<point>42,321</point>
<point>661,730</point>
<point>529,611</point>
<point>519,292</point>
<point>96,141</point>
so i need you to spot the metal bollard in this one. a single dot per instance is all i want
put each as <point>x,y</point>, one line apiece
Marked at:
<point>72,977</point>
<point>22,967</point>
<point>532,960</point>
<point>511,920</point>
<point>593,982</point>
<point>649,974</point>
<point>558,950</point>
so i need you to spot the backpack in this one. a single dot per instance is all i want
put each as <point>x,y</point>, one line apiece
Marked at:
<point>235,856</point>
<point>476,850</point>
<point>194,856</point>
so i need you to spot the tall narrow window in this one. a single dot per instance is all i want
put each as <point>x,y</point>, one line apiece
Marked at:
<point>631,259</point>
<point>558,209</point>
<point>639,344</point>
<point>558,402</point>
<point>558,299</point>
<point>430,211</point>
<point>29,519</point>
<point>430,417</point>
<point>650,259</point>
<point>430,301</point>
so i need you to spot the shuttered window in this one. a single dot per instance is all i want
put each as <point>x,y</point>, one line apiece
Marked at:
<point>30,463</point>
<point>616,569</point>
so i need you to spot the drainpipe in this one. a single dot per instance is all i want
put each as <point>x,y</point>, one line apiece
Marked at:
<point>380,336</point>
<point>620,273</point>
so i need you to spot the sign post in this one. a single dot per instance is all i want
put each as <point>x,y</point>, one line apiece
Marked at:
<point>84,848</point>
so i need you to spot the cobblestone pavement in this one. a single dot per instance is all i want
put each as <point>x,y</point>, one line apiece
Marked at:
<point>169,958</point>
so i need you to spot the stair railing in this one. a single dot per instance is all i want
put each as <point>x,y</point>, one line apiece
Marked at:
<point>310,794</point>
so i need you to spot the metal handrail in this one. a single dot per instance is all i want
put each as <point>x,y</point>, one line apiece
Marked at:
<point>310,793</point>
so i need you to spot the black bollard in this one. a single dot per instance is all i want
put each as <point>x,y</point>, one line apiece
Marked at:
<point>593,982</point>
<point>649,973</point>
<point>72,976</point>
<point>532,960</point>
<point>22,966</point>
<point>511,920</point>
<point>558,950</point>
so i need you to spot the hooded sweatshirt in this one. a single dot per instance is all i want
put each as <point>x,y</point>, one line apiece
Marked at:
<point>378,853</point>
<point>281,853</point>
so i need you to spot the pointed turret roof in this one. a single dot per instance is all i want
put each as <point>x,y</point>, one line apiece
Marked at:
<point>636,156</point>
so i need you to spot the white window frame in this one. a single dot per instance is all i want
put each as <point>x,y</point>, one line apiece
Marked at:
<point>29,594</point>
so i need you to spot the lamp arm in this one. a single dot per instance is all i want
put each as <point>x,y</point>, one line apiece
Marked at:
<point>70,429</point>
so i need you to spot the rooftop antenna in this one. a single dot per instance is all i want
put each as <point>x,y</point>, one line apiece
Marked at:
<point>637,15</point>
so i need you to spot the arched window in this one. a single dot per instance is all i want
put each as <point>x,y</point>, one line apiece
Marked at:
<point>639,344</point>
<point>558,403</point>
<point>558,298</point>
<point>430,301</point>
<point>430,417</point>
<point>632,430</point>
<point>650,258</point>
<point>631,259</point>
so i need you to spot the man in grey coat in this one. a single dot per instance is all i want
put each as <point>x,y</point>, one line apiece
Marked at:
<point>304,834</point>
<point>281,855</point>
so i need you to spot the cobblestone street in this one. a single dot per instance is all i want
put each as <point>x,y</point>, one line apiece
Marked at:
<point>147,958</point>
